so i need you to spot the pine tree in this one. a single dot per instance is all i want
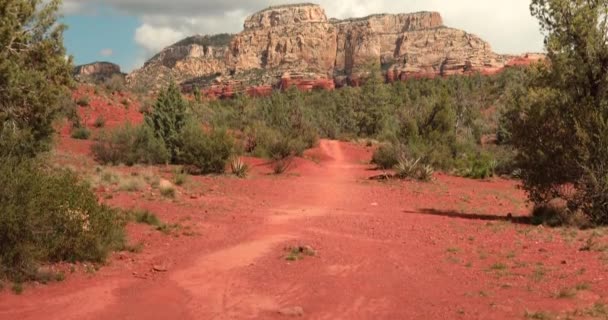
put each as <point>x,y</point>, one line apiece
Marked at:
<point>34,75</point>
<point>168,118</point>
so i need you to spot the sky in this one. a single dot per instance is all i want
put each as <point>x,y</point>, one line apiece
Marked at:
<point>128,32</point>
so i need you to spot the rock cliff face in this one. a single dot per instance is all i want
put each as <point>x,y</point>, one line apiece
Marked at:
<point>298,45</point>
<point>96,71</point>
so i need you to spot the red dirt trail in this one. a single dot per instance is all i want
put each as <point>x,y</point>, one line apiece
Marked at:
<point>384,250</point>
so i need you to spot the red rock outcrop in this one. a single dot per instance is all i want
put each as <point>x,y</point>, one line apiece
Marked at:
<point>297,45</point>
<point>97,71</point>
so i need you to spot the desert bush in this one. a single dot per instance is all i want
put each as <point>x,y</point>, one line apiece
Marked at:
<point>100,122</point>
<point>239,167</point>
<point>204,152</point>
<point>146,217</point>
<point>49,216</point>
<point>180,176</point>
<point>116,83</point>
<point>166,189</point>
<point>80,133</point>
<point>129,145</point>
<point>83,101</point>
<point>387,156</point>
<point>280,166</point>
<point>479,166</point>
<point>413,169</point>
<point>258,138</point>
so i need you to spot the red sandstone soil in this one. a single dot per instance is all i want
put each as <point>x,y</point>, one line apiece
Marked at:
<point>384,250</point>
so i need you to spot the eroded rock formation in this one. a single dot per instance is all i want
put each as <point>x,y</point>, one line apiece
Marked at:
<point>298,45</point>
<point>96,71</point>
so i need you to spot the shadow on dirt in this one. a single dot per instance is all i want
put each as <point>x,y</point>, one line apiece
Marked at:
<point>472,216</point>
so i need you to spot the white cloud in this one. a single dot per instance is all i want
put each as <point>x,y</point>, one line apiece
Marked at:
<point>506,25</point>
<point>107,52</point>
<point>153,37</point>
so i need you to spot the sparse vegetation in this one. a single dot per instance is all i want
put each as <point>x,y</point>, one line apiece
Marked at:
<point>180,177</point>
<point>80,133</point>
<point>239,168</point>
<point>100,122</point>
<point>83,101</point>
<point>299,252</point>
<point>280,166</point>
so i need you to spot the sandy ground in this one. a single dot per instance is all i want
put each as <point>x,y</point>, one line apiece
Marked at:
<point>382,250</point>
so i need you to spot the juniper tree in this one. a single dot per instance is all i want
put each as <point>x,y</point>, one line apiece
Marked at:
<point>34,75</point>
<point>168,118</point>
<point>560,126</point>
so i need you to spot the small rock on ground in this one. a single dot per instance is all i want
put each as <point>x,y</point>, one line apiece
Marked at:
<point>292,312</point>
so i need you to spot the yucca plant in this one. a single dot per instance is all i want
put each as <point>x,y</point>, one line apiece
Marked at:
<point>426,173</point>
<point>239,168</point>
<point>406,168</point>
<point>413,169</point>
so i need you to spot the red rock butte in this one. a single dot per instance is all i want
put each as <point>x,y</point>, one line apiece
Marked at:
<point>297,45</point>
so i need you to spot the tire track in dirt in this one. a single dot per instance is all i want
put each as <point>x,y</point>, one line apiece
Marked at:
<point>215,298</point>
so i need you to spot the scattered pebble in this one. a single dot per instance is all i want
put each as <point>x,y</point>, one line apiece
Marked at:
<point>292,311</point>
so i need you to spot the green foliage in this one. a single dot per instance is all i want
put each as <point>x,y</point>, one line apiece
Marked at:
<point>83,101</point>
<point>442,121</point>
<point>280,166</point>
<point>559,123</point>
<point>146,217</point>
<point>180,177</point>
<point>478,166</point>
<point>80,133</point>
<point>205,152</point>
<point>116,83</point>
<point>413,169</point>
<point>48,216</point>
<point>100,122</point>
<point>34,75</point>
<point>388,155</point>
<point>168,118</point>
<point>129,145</point>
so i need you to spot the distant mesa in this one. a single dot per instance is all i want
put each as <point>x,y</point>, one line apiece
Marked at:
<point>97,71</point>
<point>297,45</point>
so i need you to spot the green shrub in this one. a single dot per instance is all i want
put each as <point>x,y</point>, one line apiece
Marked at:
<point>146,217</point>
<point>129,145</point>
<point>204,152</point>
<point>83,101</point>
<point>280,166</point>
<point>116,83</point>
<point>80,133</point>
<point>100,122</point>
<point>387,156</point>
<point>180,177</point>
<point>167,191</point>
<point>480,166</point>
<point>49,216</point>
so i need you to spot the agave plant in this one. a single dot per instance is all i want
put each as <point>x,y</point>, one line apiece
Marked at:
<point>413,169</point>
<point>239,168</point>
<point>426,173</point>
<point>406,168</point>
